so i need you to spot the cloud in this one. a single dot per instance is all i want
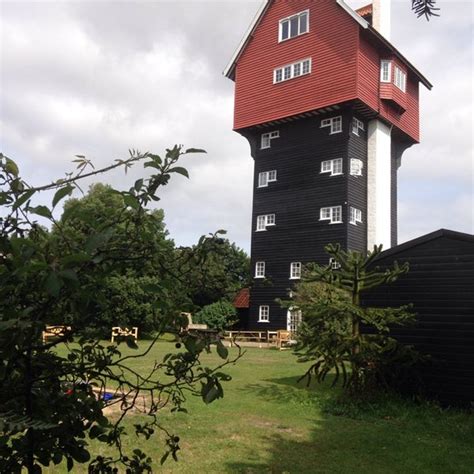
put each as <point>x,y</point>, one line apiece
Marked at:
<point>99,78</point>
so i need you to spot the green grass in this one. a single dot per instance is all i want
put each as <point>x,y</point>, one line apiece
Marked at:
<point>267,423</point>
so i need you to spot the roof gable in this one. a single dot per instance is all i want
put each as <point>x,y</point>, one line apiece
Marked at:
<point>229,71</point>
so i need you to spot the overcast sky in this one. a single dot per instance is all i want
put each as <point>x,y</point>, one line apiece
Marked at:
<point>97,78</point>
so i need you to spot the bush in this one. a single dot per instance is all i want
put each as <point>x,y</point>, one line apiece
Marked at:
<point>220,315</point>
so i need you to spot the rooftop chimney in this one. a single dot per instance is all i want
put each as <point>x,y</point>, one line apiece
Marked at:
<point>381,17</point>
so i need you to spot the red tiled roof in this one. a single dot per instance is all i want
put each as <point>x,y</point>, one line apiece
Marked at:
<point>242,298</point>
<point>363,11</point>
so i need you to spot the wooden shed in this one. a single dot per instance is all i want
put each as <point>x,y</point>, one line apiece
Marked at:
<point>440,285</point>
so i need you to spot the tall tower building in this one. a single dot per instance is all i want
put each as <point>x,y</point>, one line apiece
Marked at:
<point>328,106</point>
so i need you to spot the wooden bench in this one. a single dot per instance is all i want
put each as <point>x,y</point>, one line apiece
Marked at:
<point>285,339</point>
<point>193,326</point>
<point>117,331</point>
<point>55,331</point>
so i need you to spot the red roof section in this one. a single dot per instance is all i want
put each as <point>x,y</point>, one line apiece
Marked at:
<point>364,11</point>
<point>242,298</point>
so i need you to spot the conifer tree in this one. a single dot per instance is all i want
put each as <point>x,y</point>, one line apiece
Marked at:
<point>331,336</point>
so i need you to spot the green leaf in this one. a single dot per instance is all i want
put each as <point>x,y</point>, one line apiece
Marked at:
<point>131,201</point>
<point>222,350</point>
<point>179,170</point>
<point>62,193</point>
<point>70,464</point>
<point>11,167</point>
<point>68,274</point>
<point>138,184</point>
<point>23,198</point>
<point>96,240</point>
<point>164,457</point>
<point>75,258</point>
<point>53,284</point>
<point>195,150</point>
<point>41,211</point>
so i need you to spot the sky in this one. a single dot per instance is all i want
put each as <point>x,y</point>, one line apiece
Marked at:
<point>97,78</point>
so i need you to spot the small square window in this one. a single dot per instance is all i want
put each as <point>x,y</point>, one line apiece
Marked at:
<point>263,314</point>
<point>306,66</point>
<point>260,270</point>
<point>332,166</point>
<point>355,216</point>
<point>332,214</point>
<point>295,270</point>
<point>357,126</point>
<point>265,220</point>
<point>296,69</point>
<point>263,179</point>
<point>272,176</point>
<point>278,75</point>
<point>266,139</point>
<point>334,264</point>
<point>385,70</point>
<point>336,125</point>
<point>293,26</point>
<point>356,167</point>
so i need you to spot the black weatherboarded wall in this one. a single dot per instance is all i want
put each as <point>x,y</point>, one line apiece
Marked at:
<point>440,284</point>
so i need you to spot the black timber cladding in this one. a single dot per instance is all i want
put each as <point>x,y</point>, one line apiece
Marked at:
<point>440,284</point>
<point>296,198</point>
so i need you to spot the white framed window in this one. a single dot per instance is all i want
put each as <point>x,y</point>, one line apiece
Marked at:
<point>332,214</point>
<point>356,167</point>
<point>266,177</point>
<point>266,138</point>
<point>335,124</point>
<point>290,71</point>
<point>293,26</point>
<point>259,269</point>
<point>357,126</point>
<point>385,70</point>
<point>295,270</point>
<point>264,221</point>
<point>294,318</point>
<point>400,79</point>
<point>334,264</point>
<point>332,166</point>
<point>355,216</point>
<point>264,314</point>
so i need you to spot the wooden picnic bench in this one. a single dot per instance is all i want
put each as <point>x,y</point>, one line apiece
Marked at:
<point>55,331</point>
<point>118,331</point>
<point>193,326</point>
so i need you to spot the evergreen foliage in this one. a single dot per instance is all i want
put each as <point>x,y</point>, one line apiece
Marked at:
<point>220,315</point>
<point>330,335</point>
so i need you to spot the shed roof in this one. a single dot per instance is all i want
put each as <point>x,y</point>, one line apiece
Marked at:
<point>451,234</point>
<point>242,299</point>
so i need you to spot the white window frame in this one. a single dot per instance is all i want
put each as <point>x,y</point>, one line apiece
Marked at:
<point>400,79</point>
<point>266,177</point>
<point>259,269</point>
<point>334,264</point>
<point>355,216</point>
<point>357,126</point>
<point>334,122</point>
<point>385,70</point>
<point>329,166</point>
<point>266,139</point>
<point>295,270</point>
<point>332,213</point>
<point>265,220</point>
<point>356,167</point>
<point>264,313</point>
<point>288,20</point>
<point>279,72</point>
<point>294,318</point>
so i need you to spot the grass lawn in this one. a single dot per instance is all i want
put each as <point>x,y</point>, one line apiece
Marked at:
<point>269,423</point>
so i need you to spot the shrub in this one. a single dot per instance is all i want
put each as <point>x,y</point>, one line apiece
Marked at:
<point>220,315</point>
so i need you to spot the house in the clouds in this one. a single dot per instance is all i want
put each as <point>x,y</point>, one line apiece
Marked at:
<point>328,106</point>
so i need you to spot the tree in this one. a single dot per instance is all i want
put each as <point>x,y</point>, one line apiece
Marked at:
<point>426,8</point>
<point>220,315</point>
<point>52,401</point>
<point>220,276</point>
<point>331,337</point>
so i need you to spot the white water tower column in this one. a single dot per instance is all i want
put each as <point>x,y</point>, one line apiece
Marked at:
<point>379,181</point>
<point>381,16</point>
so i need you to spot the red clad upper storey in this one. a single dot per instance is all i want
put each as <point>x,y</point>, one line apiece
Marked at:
<point>302,55</point>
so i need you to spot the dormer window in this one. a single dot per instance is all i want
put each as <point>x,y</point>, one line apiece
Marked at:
<point>266,140</point>
<point>293,26</point>
<point>385,71</point>
<point>290,71</point>
<point>400,79</point>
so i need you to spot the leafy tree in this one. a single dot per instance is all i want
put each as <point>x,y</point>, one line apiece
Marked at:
<point>426,8</point>
<point>219,276</point>
<point>330,335</point>
<point>52,401</point>
<point>221,315</point>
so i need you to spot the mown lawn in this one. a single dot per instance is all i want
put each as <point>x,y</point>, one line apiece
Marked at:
<point>267,423</point>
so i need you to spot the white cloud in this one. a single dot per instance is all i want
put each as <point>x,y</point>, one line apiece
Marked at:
<point>99,78</point>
